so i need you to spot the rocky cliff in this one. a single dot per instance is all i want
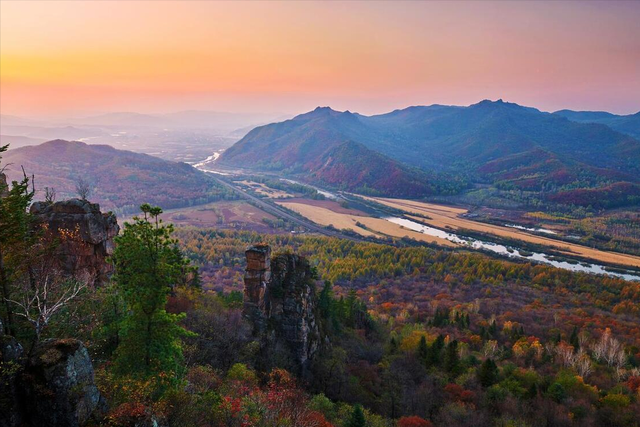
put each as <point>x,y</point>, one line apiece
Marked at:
<point>87,236</point>
<point>58,385</point>
<point>53,387</point>
<point>10,358</point>
<point>280,302</point>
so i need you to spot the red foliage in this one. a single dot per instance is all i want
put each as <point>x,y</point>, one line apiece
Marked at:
<point>458,394</point>
<point>414,421</point>
<point>128,414</point>
<point>634,383</point>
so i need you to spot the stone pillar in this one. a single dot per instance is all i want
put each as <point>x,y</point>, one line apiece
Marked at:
<point>256,278</point>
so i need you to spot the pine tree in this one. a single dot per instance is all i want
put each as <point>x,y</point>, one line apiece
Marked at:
<point>16,234</point>
<point>393,345</point>
<point>147,267</point>
<point>557,338</point>
<point>488,373</point>
<point>435,351</point>
<point>573,340</point>
<point>357,417</point>
<point>423,350</point>
<point>493,329</point>
<point>451,358</point>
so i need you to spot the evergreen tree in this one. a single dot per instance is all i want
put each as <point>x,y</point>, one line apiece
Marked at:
<point>15,234</point>
<point>452,359</point>
<point>357,417</point>
<point>493,329</point>
<point>327,306</point>
<point>147,267</point>
<point>488,373</point>
<point>435,351</point>
<point>393,345</point>
<point>423,350</point>
<point>573,340</point>
<point>352,308</point>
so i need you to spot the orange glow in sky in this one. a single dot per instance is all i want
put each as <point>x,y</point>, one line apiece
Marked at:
<point>80,58</point>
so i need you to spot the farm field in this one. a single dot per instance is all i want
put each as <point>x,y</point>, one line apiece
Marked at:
<point>446,217</point>
<point>231,215</point>
<point>263,190</point>
<point>372,226</point>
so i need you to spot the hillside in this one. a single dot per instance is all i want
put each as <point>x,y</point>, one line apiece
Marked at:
<point>326,146</point>
<point>120,180</point>
<point>629,124</point>
<point>498,143</point>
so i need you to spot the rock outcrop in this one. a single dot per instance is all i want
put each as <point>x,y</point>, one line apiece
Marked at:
<point>53,387</point>
<point>10,366</point>
<point>88,238</point>
<point>280,302</point>
<point>58,385</point>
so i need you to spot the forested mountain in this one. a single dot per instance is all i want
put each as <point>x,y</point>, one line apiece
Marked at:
<point>629,124</point>
<point>324,143</point>
<point>117,179</point>
<point>491,142</point>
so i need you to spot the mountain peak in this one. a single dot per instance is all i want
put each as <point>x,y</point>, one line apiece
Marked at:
<point>319,112</point>
<point>60,142</point>
<point>490,103</point>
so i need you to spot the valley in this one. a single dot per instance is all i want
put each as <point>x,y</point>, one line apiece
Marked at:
<point>319,213</point>
<point>444,217</point>
<point>433,224</point>
<point>212,194</point>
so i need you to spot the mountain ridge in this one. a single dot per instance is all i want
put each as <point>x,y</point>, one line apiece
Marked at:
<point>119,179</point>
<point>628,124</point>
<point>537,150</point>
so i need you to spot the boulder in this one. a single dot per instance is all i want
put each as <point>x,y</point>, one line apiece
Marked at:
<point>85,252</point>
<point>58,385</point>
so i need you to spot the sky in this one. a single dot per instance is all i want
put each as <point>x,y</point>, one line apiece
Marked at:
<point>78,58</point>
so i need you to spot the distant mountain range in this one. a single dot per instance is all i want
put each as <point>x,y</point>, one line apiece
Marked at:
<point>181,120</point>
<point>629,124</point>
<point>120,180</point>
<point>408,151</point>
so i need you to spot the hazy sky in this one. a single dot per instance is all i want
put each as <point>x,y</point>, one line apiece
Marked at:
<point>85,57</point>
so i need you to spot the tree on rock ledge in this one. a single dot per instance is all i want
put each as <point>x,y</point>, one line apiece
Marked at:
<point>148,264</point>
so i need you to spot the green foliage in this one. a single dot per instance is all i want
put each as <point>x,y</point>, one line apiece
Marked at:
<point>148,265</point>
<point>16,237</point>
<point>557,392</point>
<point>452,359</point>
<point>488,373</point>
<point>240,372</point>
<point>357,417</point>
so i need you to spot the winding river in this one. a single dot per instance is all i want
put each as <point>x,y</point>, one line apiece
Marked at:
<point>508,251</point>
